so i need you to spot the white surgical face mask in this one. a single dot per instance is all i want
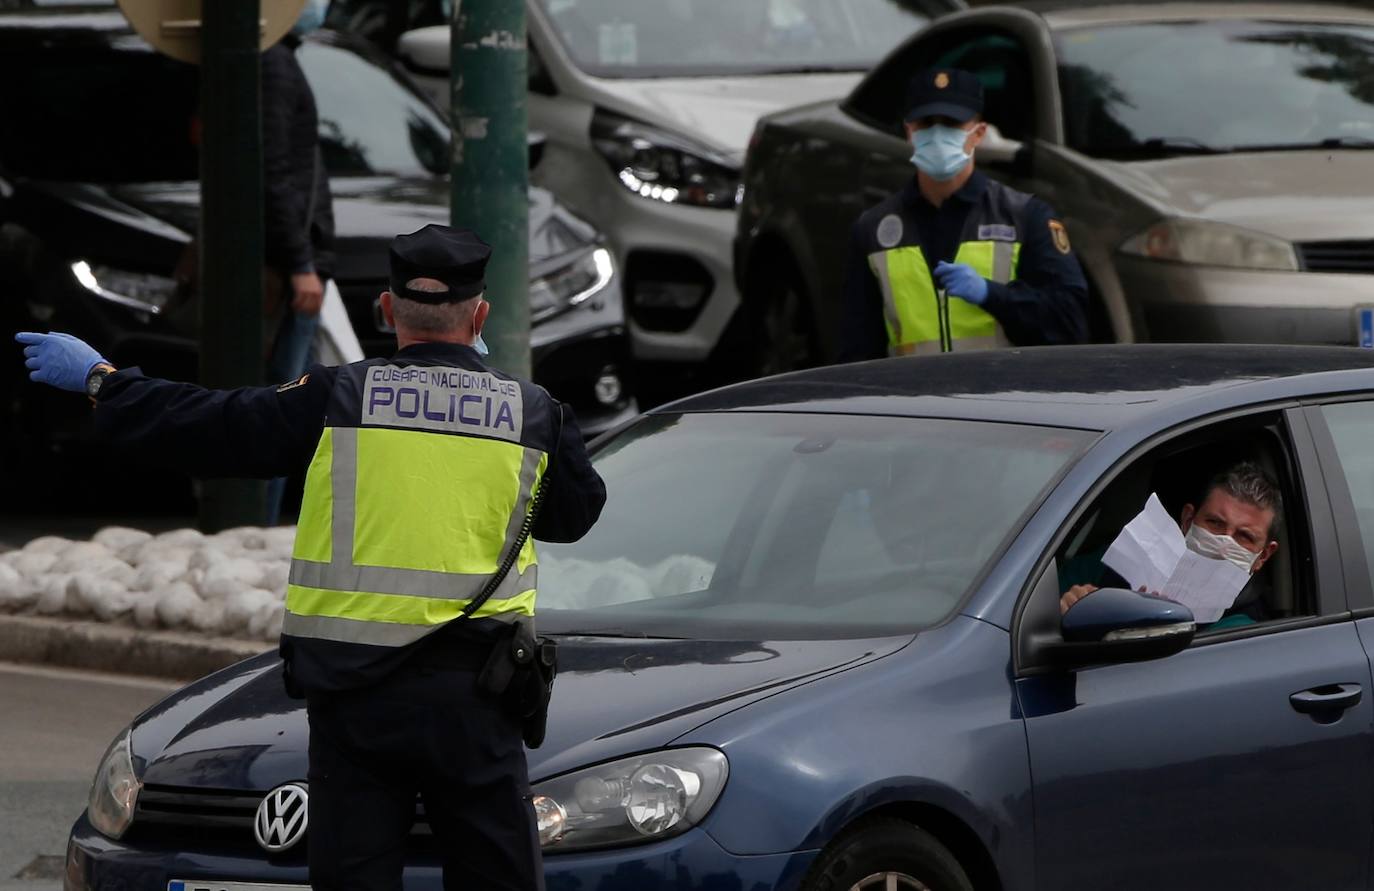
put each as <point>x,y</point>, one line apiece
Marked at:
<point>1219,547</point>
<point>939,151</point>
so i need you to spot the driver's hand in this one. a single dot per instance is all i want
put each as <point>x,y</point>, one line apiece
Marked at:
<point>1073,595</point>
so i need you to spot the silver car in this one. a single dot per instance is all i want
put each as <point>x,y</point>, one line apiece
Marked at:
<point>648,109</point>
<point>1213,163</point>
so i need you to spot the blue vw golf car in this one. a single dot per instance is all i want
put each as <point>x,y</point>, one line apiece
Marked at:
<point>816,642</point>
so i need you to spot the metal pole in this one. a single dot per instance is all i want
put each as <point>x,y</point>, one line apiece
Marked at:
<point>491,166</point>
<point>231,231</point>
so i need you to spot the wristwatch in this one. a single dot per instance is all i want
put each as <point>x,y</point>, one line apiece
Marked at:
<point>96,377</point>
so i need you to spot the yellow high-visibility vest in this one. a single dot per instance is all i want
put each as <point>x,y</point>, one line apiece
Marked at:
<point>420,484</point>
<point>920,318</point>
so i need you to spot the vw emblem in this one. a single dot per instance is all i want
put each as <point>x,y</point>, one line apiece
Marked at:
<point>282,818</point>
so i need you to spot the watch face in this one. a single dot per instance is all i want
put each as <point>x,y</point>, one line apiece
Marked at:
<point>95,379</point>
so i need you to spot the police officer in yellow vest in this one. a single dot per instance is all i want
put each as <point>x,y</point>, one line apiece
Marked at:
<point>956,261</point>
<point>422,470</point>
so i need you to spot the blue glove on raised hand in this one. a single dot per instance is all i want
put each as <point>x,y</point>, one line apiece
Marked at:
<point>959,280</point>
<point>60,360</point>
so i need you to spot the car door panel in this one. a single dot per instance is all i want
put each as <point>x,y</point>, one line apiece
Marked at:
<point>1198,772</point>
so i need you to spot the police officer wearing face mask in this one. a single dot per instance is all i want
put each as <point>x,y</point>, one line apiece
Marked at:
<point>956,261</point>
<point>413,577</point>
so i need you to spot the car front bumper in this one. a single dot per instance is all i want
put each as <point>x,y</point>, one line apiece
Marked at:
<point>690,862</point>
<point>1195,304</point>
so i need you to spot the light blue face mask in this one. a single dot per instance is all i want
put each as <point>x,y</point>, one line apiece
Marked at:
<point>311,17</point>
<point>481,346</point>
<point>939,151</point>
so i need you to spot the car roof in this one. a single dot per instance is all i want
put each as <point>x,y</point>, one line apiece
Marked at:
<point>1066,14</point>
<point>1088,387</point>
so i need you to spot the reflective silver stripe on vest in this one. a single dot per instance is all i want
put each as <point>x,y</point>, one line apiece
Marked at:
<point>377,634</point>
<point>1002,253</point>
<point>878,263</point>
<point>341,574</point>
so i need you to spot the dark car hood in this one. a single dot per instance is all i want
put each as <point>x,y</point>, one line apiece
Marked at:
<point>238,730</point>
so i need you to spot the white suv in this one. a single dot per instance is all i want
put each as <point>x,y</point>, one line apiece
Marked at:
<point>648,109</point>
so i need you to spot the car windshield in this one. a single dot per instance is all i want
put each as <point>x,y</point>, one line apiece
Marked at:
<point>116,112</point>
<point>774,526</point>
<point>633,38</point>
<point>1203,86</point>
<point>370,122</point>
<point>1219,85</point>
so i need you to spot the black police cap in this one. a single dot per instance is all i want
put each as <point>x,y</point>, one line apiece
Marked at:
<point>456,257</point>
<point>944,92</point>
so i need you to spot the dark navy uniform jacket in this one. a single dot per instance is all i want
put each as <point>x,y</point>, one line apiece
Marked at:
<point>1045,304</point>
<point>266,432</point>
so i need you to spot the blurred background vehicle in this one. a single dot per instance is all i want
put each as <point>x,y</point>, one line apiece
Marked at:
<point>99,200</point>
<point>648,108</point>
<point>1211,162</point>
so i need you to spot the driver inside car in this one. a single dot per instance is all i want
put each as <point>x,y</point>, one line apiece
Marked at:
<point>1236,519</point>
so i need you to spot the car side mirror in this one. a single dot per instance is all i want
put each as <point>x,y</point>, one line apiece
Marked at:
<point>1115,625</point>
<point>998,149</point>
<point>535,142</point>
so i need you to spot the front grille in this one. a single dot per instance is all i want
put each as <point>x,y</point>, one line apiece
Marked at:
<point>1338,256</point>
<point>221,816</point>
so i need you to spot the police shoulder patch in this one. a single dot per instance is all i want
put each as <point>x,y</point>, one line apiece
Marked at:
<point>890,231</point>
<point>291,385</point>
<point>1060,236</point>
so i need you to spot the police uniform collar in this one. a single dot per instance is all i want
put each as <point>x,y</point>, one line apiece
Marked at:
<point>969,193</point>
<point>433,349</point>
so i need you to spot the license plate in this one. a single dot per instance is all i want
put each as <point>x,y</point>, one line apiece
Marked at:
<point>213,885</point>
<point>1364,327</point>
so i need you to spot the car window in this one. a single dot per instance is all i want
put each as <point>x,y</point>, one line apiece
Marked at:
<point>632,38</point>
<point>1179,473</point>
<point>1215,84</point>
<point>997,58</point>
<point>370,122</point>
<point>1352,429</point>
<point>798,525</point>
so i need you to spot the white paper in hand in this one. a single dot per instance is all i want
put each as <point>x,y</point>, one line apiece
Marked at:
<point>1150,553</point>
<point>1148,549</point>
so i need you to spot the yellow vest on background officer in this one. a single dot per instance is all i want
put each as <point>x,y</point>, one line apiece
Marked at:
<point>957,261</point>
<point>413,572</point>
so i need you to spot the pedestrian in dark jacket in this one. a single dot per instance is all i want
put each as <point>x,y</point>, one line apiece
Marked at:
<point>298,214</point>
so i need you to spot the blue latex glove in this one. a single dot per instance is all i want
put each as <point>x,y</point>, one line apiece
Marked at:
<point>959,280</point>
<point>59,360</point>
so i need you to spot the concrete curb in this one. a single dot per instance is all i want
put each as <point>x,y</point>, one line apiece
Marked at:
<point>97,646</point>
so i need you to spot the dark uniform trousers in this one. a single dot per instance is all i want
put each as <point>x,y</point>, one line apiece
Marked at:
<point>423,731</point>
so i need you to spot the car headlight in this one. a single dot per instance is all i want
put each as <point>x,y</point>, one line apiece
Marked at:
<point>663,166</point>
<point>570,284</point>
<point>1203,243</point>
<point>140,291</point>
<point>115,790</point>
<point>644,798</point>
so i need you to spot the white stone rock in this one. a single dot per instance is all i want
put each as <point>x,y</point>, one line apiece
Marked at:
<point>34,565</point>
<point>275,575</point>
<point>268,617</point>
<point>206,556</point>
<point>47,544</point>
<point>177,605</point>
<point>155,575</point>
<point>180,538</point>
<point>52,594</point>
<point>16,592</point>
<point>209,616</point>
<point>102,597</point>
<point>80,555</point>
<point>145,609</point>
<point>241,608</point>
<point>117,538</point>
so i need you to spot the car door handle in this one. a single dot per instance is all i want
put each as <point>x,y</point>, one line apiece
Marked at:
<point>1326,698</point>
